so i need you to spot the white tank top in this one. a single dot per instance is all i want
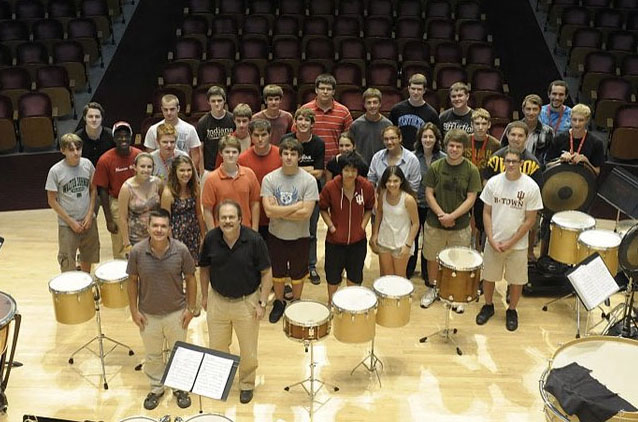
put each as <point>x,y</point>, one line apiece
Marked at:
<point>395,225</point>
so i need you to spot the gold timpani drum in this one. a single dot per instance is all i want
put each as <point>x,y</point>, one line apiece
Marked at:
<point>113,282</point>
<point>459,274</point>
<point>306,320</point>
<point>605,242</point>
<point>611,361</point>
<point>8,309</point>
<point>395,297</point>
<point>72,297</point>
<point>354,319</point>
<point>565,228</point>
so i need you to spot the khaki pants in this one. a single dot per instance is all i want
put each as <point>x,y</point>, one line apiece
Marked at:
<point>223,316</point>
<point>158,328</point>
<point>117,243</point>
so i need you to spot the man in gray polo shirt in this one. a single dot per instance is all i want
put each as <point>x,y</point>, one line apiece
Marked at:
<point>157,268</point>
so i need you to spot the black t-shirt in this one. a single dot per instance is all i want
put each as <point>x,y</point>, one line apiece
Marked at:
<point>530,166</point>
<point>210,130</point>
<point>335,166</point>
<point>235,272</point>
<point>93,149</point>
<point>313,155</point>
<point>593,148</point>
<point>409,119</point>
<point>450,120</point>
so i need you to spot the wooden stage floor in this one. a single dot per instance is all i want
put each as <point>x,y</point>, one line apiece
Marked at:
<point>495,379</point>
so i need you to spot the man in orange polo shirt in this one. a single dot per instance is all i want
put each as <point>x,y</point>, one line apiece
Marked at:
<point>231,181</point>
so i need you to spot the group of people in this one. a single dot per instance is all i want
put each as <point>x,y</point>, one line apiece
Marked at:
<point>240,195</point>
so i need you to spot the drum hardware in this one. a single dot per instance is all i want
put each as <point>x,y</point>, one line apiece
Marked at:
<point>100,338</point>
<point>370,363</point>
<point>312,380</point>
<point>446,332</point>
<point>8,313</point>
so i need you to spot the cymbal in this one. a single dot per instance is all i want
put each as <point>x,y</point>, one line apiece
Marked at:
<point>568,187</point>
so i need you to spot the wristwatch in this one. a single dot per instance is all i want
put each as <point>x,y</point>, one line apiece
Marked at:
<point>262,304</point>
<point>191,310</point>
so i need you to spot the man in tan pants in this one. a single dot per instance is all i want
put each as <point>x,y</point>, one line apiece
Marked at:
<point>234,262</point>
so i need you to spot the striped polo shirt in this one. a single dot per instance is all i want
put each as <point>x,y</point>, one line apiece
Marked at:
<point>330,124</point>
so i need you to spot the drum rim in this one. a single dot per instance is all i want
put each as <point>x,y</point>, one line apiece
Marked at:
<point>390,296</point>
<point>192,418</point>
<point>363,311</point>
<point>130,418</point>
<point>104,281</point>
<point>443,264</point>
<point>570,343</point>
<point>308,325</point>
<point>71,292</point>
<point>598,248</point>
<point>4,321</point>
<point>573,229</point>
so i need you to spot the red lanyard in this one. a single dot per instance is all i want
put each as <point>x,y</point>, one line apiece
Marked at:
<point>571,142</point>
<point>560,117</point>
<point>483,148</point>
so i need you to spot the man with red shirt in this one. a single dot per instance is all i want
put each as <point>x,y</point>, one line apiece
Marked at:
<point>346,204</point>
<point>113,168</point>
<point>262,158</point>
<point>331,117</point>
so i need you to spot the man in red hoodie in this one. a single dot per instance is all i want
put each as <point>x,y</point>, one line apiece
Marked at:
<point>346,204</point>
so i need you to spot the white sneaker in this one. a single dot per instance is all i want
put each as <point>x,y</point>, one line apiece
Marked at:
<point>428,297</point>
<point>459,309</point>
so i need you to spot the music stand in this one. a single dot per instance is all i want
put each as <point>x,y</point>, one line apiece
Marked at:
<point>201,371</point>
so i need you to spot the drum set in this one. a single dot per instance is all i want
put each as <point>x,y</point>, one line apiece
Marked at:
<point>77,297</point>
<point>356,311</point>
<point>8,314</point>
<point>458,283</point>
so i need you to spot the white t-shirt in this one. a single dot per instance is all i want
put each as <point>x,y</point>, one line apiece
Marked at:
<point>509,201</point>
<point>187,138</point>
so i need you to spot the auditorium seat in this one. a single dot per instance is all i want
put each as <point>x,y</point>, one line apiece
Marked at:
<point>612,93</point>
<point>35,122</point>
<point>54,81</point>
<point>8,136</point>
<point>14,83</point>
<point>70,54</point>
<point>623,141</point>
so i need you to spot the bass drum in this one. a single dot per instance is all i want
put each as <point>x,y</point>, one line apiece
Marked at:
<point>568,186</point>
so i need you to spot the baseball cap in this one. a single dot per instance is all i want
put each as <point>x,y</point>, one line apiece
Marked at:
<point>120,125</point>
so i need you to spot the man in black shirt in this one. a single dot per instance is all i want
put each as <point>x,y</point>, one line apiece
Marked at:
<point>234,262</point>
<point>577,145</point>
<point>96,139</point>
<point>212,126</point>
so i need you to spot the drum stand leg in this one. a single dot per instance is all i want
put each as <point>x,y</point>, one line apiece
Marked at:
<point>558,299</point>
<point>311,380</point>
<point>100,340</point>
<point>370,363</point>
<point>447,331</point>
<point>8,364</point>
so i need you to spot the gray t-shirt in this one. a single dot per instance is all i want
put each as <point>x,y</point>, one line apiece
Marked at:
<point>289,190</point>
<point>72,183</point>
<point>161,168</point>
<point>367,136</point>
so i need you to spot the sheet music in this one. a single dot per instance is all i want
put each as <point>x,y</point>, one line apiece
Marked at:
<point>593,282</point>
<point>213,376</point>
<point>184,368</point>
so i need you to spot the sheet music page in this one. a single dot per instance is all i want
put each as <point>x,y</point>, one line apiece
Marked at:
<point>183,370</point>
<point>593,282</point>
<point>213,376</point>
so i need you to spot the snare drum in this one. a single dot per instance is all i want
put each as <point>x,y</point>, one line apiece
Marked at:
<point>354,318</point>
<point>8,310</point>
<point>138,419</point>
<point>395,297</point>
<point>306,320</point>
<point>459,274</point>
<point>605,242</point>
<point>610,360</point>
<point>209,417</point>
<point>565,228</point>
<point>72,297</point>
<point>113,281</point>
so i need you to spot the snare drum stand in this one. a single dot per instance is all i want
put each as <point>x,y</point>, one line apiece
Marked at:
<point>447,331</point>
<point>312,392</point>
<point>100,340</point>
<point>372,365</point>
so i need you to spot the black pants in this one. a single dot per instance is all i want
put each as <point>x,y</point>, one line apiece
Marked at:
<point>417,250</point>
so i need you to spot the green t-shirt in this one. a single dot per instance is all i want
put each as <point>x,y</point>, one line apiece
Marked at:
<point>451,185</point>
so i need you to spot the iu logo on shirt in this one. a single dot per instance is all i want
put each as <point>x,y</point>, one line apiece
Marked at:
<point>520,195</point>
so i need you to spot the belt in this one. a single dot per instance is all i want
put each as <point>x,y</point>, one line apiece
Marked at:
<point>234,299</point>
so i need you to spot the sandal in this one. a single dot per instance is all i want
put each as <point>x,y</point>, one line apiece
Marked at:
<point>183,400</point>
<point>152,400</point>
